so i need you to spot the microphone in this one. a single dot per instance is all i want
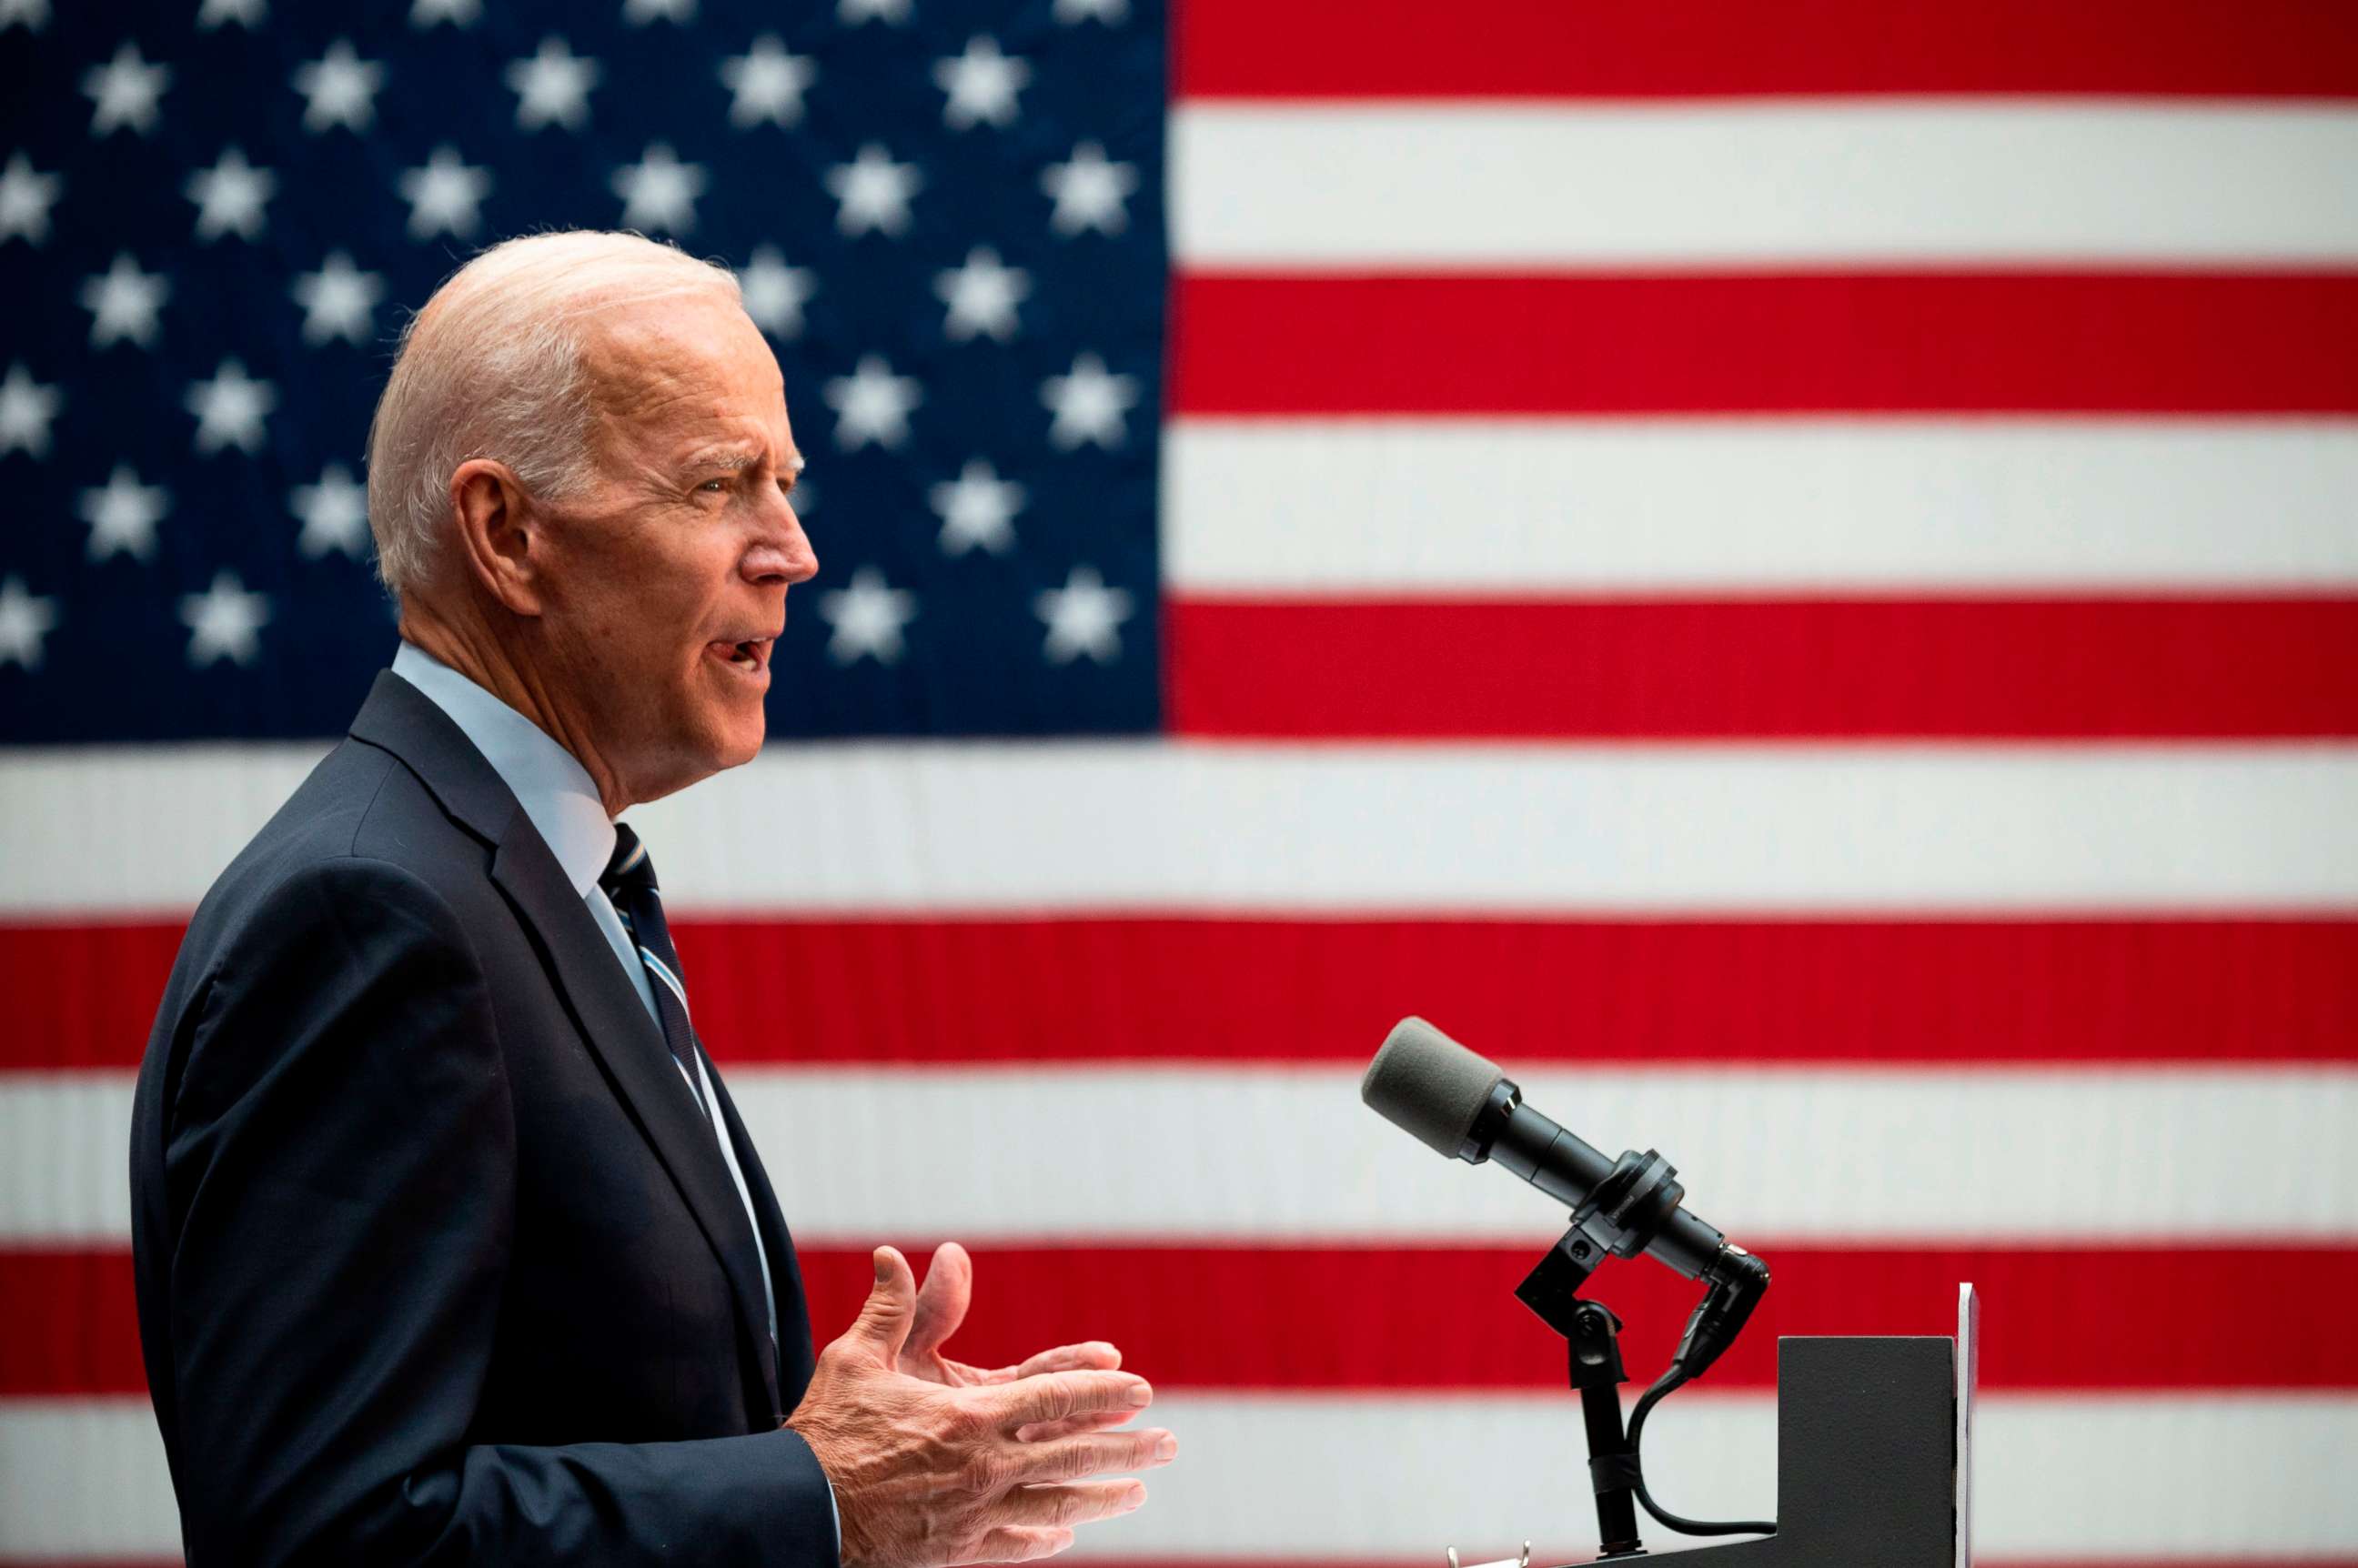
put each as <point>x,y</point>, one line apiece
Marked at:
<point>1462,1105</point>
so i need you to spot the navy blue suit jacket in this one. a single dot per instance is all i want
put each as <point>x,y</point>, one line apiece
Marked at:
<point>436,1261</point>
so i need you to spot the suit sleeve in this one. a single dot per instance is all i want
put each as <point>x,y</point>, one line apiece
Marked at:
<point>341,1166</point>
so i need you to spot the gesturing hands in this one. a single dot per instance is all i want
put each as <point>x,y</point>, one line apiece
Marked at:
<point>934,1462</point>
<point>942,1301</point>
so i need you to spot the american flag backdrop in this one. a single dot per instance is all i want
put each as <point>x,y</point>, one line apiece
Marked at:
<point>1789,570</point>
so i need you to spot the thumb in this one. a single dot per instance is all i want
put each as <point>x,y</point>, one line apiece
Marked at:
<point>884,1317</point>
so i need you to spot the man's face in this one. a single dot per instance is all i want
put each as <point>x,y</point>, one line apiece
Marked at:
<point>667,580</point>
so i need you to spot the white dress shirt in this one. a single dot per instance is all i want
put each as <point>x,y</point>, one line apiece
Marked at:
<point>556,794</point>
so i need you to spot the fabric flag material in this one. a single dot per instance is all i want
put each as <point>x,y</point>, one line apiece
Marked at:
<point>1786,571</point>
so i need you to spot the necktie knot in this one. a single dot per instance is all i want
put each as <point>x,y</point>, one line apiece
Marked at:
<point>629,871</point>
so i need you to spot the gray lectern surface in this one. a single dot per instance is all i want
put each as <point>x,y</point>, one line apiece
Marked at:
<point>1866,1458</point>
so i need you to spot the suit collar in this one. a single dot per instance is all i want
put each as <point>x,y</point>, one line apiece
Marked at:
<point>555,790</point>
<point>399,718</point>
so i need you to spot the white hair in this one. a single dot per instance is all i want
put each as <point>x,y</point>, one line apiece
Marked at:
<point>492,367</point>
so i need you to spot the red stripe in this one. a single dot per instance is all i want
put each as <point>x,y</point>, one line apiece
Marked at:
<point>1764,669</point>
<point>1333,1318</point>
<point>836,990</point>
<point>1548,49</point>
<point>2151,342</point>
<point>82,995</point>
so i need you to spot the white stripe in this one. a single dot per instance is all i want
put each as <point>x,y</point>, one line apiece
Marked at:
<point>1411,187</point>
<point>1156,825</point>
<point>1538,507</point>
<point>665,975</point>
<point>65,1157</point>
<point>1792,1155</point>
<point>1398,1477</point>
<point>134,829</point>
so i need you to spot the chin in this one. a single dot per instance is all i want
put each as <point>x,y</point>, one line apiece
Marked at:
<point>737,738</point>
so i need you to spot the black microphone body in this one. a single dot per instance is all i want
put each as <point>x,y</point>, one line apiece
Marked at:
<point>1561,1164</point>
<point>1461,1105</point>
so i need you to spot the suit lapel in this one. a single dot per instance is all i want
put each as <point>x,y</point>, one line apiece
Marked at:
<point>598,994</point>
<point>792,1368</point>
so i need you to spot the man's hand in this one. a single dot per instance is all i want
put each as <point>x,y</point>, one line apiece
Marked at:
<point>929,1473</point>
<point>942,1301</point>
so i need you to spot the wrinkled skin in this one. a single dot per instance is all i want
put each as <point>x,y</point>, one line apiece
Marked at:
<point>934,1462</point>
<point>610,618</point>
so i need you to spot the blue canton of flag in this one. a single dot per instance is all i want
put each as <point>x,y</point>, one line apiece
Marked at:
<point>214,215</point>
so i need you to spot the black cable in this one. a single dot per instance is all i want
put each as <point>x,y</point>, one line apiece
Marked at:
<point>1663,1386</point>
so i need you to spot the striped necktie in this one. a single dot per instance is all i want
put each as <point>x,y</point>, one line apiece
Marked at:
<point>630,881</point>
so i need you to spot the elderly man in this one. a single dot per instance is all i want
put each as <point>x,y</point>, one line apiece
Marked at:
<point>450,1245</point>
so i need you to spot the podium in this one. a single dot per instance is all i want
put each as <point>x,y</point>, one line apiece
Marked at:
<point>1867,1456</point>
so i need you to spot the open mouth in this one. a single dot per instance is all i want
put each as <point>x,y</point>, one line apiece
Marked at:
<point>751,658</point>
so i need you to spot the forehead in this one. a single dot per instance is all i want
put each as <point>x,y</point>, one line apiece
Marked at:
<point>685,370</point>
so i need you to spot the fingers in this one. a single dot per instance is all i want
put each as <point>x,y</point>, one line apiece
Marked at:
<point>942,1301</point>
<point>1071,1426</point>
<point>1077,1458</point>
<point>1021,1543</point>
<point>1095,1356</point>
<point>1081,1502</point>
<point>1053,1396</point>
<point>884,1317</point>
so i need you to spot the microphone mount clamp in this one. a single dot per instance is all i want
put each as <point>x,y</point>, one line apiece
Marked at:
<point>1620,1218</point>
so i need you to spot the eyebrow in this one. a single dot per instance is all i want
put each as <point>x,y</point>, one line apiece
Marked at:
<point>735,459</point>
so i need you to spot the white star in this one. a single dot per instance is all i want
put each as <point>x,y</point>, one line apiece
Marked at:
<point>334,513</point>
<point>978,509</point>
<point>33,14</point>
<point>1089,191</point>
<point>1089,405</point>
<point>1109,12</point>
<point>124,515</point>
<point>981,296</point>
<point>768,83</point>
<point>124,303</point>
<point>246,13</point>
<point>659,191</point>
<point>339,89</point>
<point>25,409</point>
<point>337,302</point>
<point>776,293</point>
<point>126,89</point>
<point>230,197</point>
<point>867,617</point>
<point>1083,616</point>
<point>872,191</point>
<point>553,87</point>
<point>852,13</point>
<point>26,197</point>
<point>982,84</point>
<point>25,619</point>
<point>230,409</point>
<point>639,13</point>
<point>443,196</point>
<point>872,404</point>
<point>223,621</point>
<point>458,13</point>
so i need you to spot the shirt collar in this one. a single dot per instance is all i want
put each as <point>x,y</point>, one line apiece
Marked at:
<point>555,790</point>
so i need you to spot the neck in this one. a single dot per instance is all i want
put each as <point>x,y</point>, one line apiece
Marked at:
<point>498,665</point>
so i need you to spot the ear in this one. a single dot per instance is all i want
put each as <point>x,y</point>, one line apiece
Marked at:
<point>501,536</point>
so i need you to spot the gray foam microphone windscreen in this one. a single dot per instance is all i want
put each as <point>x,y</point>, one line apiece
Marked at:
<point>1428,1085</point>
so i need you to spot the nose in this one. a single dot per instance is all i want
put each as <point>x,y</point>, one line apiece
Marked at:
<point>783,552</point>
